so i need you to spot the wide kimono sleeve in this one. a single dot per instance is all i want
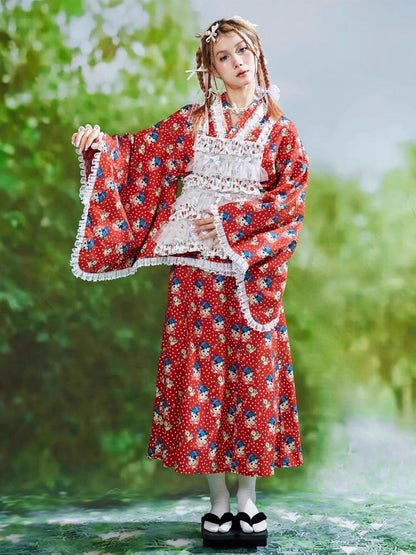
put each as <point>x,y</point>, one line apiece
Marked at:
<point>128,187</point>
<point>260,236</point>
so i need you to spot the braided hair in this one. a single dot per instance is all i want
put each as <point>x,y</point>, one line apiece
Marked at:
<point>205,61</point>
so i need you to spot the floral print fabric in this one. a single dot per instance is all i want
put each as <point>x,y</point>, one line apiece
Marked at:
<point>225,394</point>
<point>129,188</point>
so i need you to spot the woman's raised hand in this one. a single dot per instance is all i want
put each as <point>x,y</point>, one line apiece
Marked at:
<point>86,137</point>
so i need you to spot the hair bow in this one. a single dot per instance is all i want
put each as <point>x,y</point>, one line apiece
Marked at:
<point>211,34</point>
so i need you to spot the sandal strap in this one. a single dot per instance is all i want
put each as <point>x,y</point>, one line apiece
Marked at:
<point>210,517</point>
<point>259,517</point>
<point>226,517</point>
<point>244,517</point>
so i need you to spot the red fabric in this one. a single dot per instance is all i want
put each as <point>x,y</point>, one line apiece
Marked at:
<point>225,396</point>
<point>134,188</point>
<point>136,184</point>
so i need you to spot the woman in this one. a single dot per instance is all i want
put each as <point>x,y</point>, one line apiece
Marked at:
<point>225,395</point>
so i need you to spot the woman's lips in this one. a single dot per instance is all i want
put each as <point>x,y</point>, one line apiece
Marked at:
<point>242,73</point>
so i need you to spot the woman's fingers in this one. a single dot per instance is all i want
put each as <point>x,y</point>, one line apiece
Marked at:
<point>86,140</point>
<point>92,138</point>
<point>205,224</point>
<point>209,234</point>
<point>86,137</point>
<point>76,137</point>
<point>208,220</point>
<point>205,228</point>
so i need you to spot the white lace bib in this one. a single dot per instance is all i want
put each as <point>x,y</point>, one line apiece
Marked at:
<point>224,170</point>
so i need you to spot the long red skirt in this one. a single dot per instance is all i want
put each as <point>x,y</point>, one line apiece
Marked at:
<point>225,393</point>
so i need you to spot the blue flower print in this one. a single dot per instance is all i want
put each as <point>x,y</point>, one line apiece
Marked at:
<point>198,327</point>
<point>204,349</point>
<point>195,413</point>
<point>212,450</point>
<point>99,197</point>
<point>232,372</point>
<point>88,244</point>
<point>196,369</point>
<point>193,458</point>
<point>218,322</point>
<point>240,446</point>
<point>250,418</point>
<point>284,403</point>
<point>290,443</point>
<point>176,285</point>
<point>202,437</point>
<point>156,162</point>
<point>234,465</point>
<point>203,392</point>
<point>205,308</point>
<point>252,461</point>
<point>215,406</point>
<point>217,363</point>
<point>248,374</point>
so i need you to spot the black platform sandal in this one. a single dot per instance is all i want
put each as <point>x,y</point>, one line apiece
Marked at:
<point>250,539</point>
<point>218,539</point>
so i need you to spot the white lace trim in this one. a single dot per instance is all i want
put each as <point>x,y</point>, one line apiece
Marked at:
<point>223,268</point>
<point>234,147</point>
<point>252,123</point>
<point>222,185</point>
<point>184,247</point>
<point>227,168</point>
<point>265,133</point>
<point>217,117</point>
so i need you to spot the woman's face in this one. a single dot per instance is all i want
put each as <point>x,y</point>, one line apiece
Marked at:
<point>233,62</point>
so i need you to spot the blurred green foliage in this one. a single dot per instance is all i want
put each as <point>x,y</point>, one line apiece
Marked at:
<point>78,360</point>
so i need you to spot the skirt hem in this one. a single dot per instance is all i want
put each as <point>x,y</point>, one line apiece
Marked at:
<point>219,470</point>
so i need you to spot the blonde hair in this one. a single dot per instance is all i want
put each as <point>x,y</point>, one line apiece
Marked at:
<point>205,61</point>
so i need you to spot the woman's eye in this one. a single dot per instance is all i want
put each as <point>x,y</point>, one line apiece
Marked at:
<point>243,49</point>
<point>223,58</point>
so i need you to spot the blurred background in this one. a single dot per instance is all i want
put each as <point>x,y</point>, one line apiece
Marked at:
<point>78,360</point>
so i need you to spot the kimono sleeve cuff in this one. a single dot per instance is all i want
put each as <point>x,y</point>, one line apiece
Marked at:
<point>240,266</point>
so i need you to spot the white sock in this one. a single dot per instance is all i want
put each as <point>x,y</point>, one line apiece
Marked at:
<point>246,503</point>
<point>220,501</point>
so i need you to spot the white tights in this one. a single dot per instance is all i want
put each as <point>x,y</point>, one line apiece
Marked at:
<point>220,501</point>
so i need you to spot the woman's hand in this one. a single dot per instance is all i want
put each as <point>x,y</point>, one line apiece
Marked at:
<point>86,137</point>
<point>205,228</point>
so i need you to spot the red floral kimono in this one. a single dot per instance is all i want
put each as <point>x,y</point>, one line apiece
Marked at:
<point>225,394</point>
